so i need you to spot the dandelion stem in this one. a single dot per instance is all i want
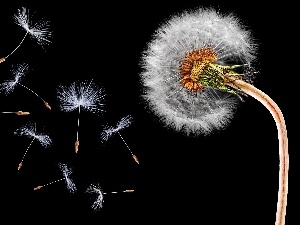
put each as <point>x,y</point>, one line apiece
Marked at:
<point>77,133</point>
<point>116,192</point>
<point>21,163</point>
<point>19,113</point>
<point>31,91</point>
<point>45,103</point>
<point>125,142</point>
<point>133,156</point>
<point>54,181</point>
<point>17,46</point>
<point>28,148</point>
<point>283,142</point>
<point>39,187</point>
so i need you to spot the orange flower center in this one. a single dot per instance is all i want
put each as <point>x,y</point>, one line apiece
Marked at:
<point>193,66</point>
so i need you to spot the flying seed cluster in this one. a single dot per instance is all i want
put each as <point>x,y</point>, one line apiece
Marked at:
<point>81,96</point>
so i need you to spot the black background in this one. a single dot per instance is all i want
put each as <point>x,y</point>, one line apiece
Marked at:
<point>228,177</point>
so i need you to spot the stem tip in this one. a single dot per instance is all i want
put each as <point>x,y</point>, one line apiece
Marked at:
<point>76,146</point>
<point>135,159</point>
<point>21,113</point>
<point>20,165</point>
<point>47,105</point>
<point>37,188</point>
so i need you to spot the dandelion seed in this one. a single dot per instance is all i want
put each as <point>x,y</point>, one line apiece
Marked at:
<point>29,130</point>
<point>19,113</point>
<point>66,171</point>
<point>18,73</point>
<point>109,131</point>
<point>96,189</point>
<point>196,68</point>
<point>85,96</point>
<point>38,31</point>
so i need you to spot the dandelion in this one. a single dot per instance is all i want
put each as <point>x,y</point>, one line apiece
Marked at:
<point>29,130</point>
<point>19,113</point>
<point>66,171</point>
<point>82,96</point>
<point>109,131</point>
<point>38,31</point>
<point>98,202</point>
<point>196,68</point>
<point>18,73</point>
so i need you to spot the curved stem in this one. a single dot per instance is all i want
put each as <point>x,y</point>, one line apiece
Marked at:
<point>17,46</point>
<point>21,163</point>
<point>282,137</point>
<point>27,149</point>
<point>31,91</point>
<point>45,103</point>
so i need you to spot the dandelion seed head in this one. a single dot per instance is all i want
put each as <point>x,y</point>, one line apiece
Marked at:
<point>176,63</point>
<point>29,130</point>
<point>86,95</point>
<point>67,171</point>
<point>108,131</point>
<point>96,189</point>
<point>39,31</point>
<point>44,139</point>
<point>124,122</point>
<point>18,72</point>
